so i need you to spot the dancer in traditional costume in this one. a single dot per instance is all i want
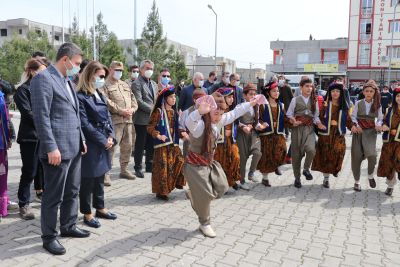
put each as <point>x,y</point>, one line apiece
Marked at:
<point>331,145</point>
<point>389,162</point>
<point>164,128</point>
<point>303,113</point>
<point>205,176</point>
<point>364,129</point>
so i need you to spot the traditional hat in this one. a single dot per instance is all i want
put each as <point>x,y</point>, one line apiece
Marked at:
<point>249,87</point>
<point>225,91</point>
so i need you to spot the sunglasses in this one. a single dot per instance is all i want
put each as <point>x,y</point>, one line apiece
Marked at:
<point>118,70</point>
<point>166,76</point>
<point>135,71</point>
<point>102,76</point>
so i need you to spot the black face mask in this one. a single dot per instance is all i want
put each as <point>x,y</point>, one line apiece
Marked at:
<point>215,79</point>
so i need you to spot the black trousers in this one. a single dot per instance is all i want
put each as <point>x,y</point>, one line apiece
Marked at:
<point>31,170</point>
<point>92,188</point>
<point>61,188</point>
<point>144,141</point>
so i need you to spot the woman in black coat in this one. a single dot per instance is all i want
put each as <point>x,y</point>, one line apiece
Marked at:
<point>97,127</point>
<point>27,139</point>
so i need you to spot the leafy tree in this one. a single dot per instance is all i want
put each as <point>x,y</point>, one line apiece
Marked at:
<point>14,54</point>
<point>153,45</point>
<point>81,40</point>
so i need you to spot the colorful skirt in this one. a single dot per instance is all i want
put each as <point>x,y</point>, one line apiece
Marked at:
<point>167,170</point>
<point>227,154</point>
<point>273,149</point>
<point>329,152</point>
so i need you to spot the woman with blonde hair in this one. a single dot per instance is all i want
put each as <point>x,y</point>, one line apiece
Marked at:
<point>97,127</point>
<point>27,139</point>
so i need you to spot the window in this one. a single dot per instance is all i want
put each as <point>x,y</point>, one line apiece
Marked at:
<point>365,29</point>
<point>364,54</point>
<point>303,58</point>
<point>57,38</point>
<point>20,31</point>
<point>394,25</point>
<point>3,32</point>
<point>366,7</point>
<point>394,51</point>
<point>331,57</point>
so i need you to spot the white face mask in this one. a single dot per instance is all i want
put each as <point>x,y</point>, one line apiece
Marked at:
<point>281,82</point>
<point>227,80</point>
<point>148,74</point>
<point>134,75</point>
<point>201,83</point>
<point>237,83</point>
<point>117,75</point>
<point>99,82</point>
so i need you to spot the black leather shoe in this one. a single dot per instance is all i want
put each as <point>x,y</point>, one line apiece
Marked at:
<point>235,186</point>
<point>77,232</point>
<point>308,175</point>
<point>278,172</point>
<point>178,186</point>
<point>325,184</point>
<point>335,174</point>
<point>372,183</point>
<point>92,223</point>
<point>54,247</point>
<point>389,191</point>
<point>139,174</point>
<point>109,215</point>
<point>357,187</point>
<point>297,183</point>
<point>266,183</point>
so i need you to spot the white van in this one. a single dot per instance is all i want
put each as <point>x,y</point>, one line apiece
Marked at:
<point>294,82</point>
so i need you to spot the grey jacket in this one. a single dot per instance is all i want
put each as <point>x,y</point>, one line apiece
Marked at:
<point>55,116</point>
<point>145,99</point>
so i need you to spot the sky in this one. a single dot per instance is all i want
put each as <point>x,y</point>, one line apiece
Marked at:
<point>245,28</point>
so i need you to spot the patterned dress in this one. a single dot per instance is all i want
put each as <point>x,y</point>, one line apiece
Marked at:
<point>273,147</point>
<point>330,148</point>
<point>227,154</point>
<point>168,160</point>
<point>390,154</point>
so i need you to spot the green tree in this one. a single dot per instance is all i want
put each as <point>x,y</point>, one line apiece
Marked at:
<point>81,40</point>
<point>153,45</point>
<point>107,46</point>
<point>17,51</point>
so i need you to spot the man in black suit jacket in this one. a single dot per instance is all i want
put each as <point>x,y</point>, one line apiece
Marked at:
<point>56,116</point>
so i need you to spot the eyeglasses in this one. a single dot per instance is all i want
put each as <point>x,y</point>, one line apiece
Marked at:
<point>118,70</point>
<point>166,76</point>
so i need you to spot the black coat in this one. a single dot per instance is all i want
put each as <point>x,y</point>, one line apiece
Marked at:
<point>22,98</point>
<point>285,95</point>
<point>97,127</point>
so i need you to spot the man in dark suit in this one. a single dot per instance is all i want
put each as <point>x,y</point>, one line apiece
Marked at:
<point>186,99</point>
<point>56,116</point>
<point>145,91</point>
<point>234,82</point>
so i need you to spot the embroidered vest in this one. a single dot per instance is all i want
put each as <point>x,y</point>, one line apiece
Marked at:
<point>328,119</point>
<point>267,117</point>
<point>388,122</point>
<point>163,127</point>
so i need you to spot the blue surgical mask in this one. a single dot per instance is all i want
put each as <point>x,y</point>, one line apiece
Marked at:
<point>201,83</point>
<point>99,82</point>
<point>165,80</point>
<point>73,71</point>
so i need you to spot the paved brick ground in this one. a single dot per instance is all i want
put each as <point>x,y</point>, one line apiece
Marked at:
<point>278,226</point>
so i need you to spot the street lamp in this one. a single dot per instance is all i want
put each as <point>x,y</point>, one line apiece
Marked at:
<point>391,43</point>
<point>216,23</point>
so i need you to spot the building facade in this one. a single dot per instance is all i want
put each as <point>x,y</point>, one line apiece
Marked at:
<point>371,26</point>
<point>20,27</point>
<point>326,59</point>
